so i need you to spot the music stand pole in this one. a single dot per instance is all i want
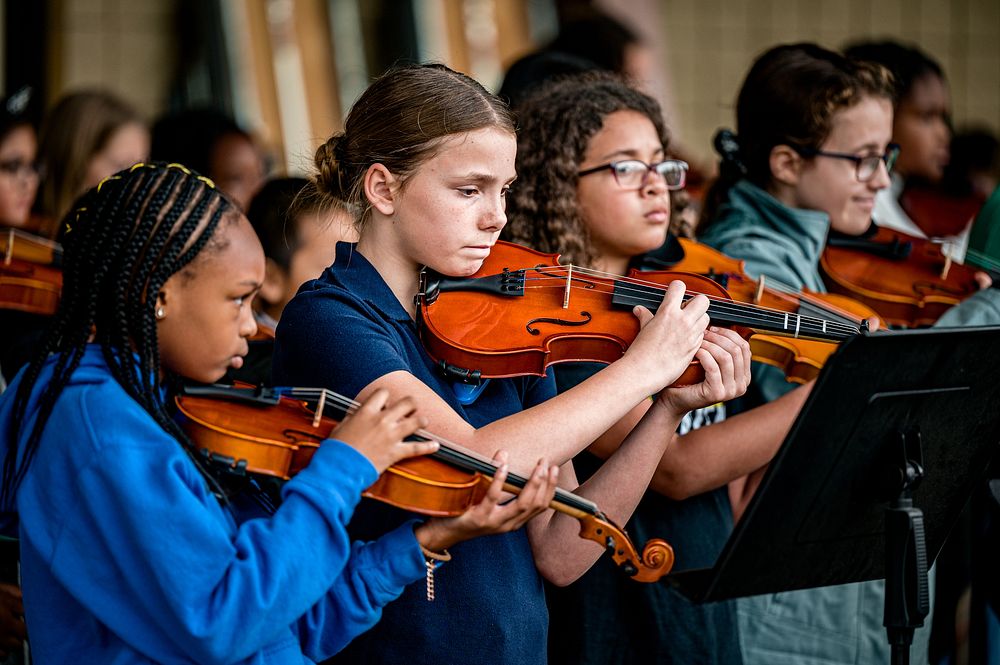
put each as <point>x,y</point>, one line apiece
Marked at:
<point>906,593</point>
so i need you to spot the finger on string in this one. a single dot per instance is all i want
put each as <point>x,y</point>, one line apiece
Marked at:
<point>723,357</point>
<point>535,484</point>
<point>495,491</point>
<point>731,346</point>
<point>401,408</point>
<point>728,334</point>
<point>643,314</point>
<point>673,296</point>
<point>407,449</point>
<point>409,424</point>
<point>376,401</point>
<point>697,305</point>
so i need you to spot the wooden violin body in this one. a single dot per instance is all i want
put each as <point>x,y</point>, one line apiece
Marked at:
<point>30,280</point>
<point>800,359</point>
<point>909,281</point>
<point>522,312</point>
<point>275,433</point>
<point>555,317</point>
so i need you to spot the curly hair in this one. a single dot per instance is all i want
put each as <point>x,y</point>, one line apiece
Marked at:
<point>556,126</point>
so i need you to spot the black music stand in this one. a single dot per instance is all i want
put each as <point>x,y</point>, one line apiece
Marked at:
<point>897,432</point>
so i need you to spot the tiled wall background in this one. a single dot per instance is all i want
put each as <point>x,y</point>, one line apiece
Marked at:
<point>711,43</point>
<point>122,45</point>
<point>126,45</point>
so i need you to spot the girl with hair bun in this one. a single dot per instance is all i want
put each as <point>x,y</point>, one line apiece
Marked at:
<point>133,549</point>
<point>427,160</point>
<point>812,150</point>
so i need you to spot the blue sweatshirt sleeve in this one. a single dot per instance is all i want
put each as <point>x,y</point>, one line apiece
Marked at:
<point>375,575</point>
<point>139,540</point>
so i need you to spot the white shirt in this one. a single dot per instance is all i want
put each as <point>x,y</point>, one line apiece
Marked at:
<point>888,213</point>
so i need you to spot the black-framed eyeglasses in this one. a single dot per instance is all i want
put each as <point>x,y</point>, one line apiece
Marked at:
<point>633,173</point>
<point>865,166</point>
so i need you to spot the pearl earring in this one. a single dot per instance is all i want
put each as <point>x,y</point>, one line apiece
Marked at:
<point>160,313</point>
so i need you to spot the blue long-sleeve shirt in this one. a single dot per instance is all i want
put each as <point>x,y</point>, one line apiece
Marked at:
<point>127,556</point>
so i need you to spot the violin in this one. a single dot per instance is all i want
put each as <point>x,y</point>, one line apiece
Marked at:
<point>909,281</point>
<point>275,432</point>
<point>800,359</point>
<point>523,311</point>
<point>30,277</point>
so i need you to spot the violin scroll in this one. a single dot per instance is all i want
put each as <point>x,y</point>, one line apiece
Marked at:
<point>655,561</point>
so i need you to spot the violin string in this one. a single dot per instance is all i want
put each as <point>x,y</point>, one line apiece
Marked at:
<point>721,305</point>
<point>790,291</point>
<point>763,315</point>
<point>838,315</point>
<point>450,448</point>
<point>648,284</point>
<point>727,306</point>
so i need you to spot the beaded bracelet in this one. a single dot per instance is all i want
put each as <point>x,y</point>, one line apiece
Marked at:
<point>432,560</point>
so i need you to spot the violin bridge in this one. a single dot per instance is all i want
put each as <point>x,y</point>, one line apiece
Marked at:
<point>760,290</point>
<point>947,266</point>
<point>318,416</point>
<point>569,281</point>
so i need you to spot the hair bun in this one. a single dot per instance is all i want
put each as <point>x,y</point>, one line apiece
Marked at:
<point>728,147</point>
<point>329,160</point>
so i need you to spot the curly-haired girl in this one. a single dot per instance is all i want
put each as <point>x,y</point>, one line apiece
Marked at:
<point>595,187</point>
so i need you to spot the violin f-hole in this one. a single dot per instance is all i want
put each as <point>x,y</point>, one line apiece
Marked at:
<point>558,322</point>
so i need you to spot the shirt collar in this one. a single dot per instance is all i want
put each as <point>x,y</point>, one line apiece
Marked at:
<point>355,273</point>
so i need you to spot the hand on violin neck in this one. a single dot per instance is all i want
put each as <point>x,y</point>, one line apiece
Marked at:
<point>494,514</point>
<point>983,279</point>
<point>667,342</point>
<point>377,429</point>
<point>725,358</point>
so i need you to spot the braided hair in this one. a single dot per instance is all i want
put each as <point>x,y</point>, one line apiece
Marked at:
<point>125,239</point>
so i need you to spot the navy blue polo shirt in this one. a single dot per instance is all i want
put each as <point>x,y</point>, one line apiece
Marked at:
<point>343,331</point>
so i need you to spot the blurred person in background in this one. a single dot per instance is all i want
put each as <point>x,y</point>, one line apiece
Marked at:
<point>922,129</point>
<point>18,186</point>
<point>211,143</point>
<point>18,161</point>
<point>299,231</point>
<point>87,136</point>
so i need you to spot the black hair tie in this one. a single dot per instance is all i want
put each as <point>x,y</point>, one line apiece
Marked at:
<point>728,147</point>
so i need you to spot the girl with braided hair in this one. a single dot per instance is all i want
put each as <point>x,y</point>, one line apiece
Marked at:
<point>595,186</point>
<point>128,553</point>
<point>427,159</point>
